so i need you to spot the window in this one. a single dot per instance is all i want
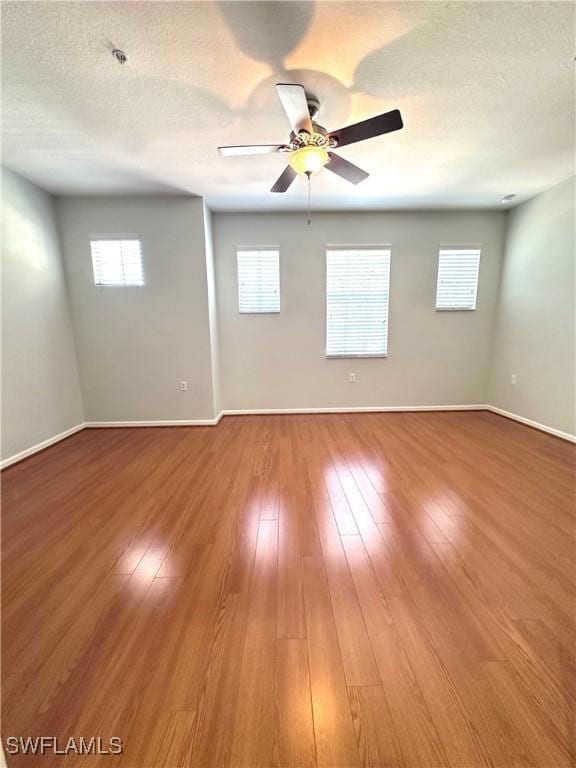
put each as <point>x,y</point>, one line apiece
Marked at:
<point>457,278</point>
<point>258,280</point>
<point>117,262</point>
<point>357,287</point>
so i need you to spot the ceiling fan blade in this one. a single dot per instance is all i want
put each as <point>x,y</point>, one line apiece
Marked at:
<point>284,180</point>
<point>367,129</point>
<point>293,98</point>
<point>344,168</point>
<point>252,149</point>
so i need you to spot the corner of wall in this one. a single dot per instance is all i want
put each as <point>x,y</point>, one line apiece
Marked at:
<point>212,309</point>
<point>488,383</point>
<point>56,211</point>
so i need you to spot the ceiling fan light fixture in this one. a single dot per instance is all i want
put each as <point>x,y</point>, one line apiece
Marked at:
<point>309,159</point>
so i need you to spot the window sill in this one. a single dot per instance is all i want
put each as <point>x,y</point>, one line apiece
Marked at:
<point>343,357</point>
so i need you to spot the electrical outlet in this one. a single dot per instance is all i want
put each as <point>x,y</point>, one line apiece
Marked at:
<point>513,378</point>
<point>352,378</point>
<point>183,386</point>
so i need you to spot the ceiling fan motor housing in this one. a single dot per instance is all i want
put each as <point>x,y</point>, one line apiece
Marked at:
<point>313,105</point>
<point>319,138</point>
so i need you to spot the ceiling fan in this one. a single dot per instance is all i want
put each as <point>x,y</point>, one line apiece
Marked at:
<point>310,144</point>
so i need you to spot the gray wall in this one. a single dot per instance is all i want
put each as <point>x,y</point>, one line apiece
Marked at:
<point>534,333</point>
<point>40,387</point>
<point>434,358</point>
<point>135,345</point>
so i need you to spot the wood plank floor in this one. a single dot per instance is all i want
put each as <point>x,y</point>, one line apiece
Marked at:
<point>331,590</point>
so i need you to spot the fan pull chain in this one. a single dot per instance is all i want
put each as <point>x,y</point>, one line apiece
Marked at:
<point>309,185</point>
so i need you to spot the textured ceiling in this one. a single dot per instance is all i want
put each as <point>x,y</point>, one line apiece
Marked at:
<point>485,90</point>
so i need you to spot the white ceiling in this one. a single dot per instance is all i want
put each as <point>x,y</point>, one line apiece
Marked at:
<point>485,90</point>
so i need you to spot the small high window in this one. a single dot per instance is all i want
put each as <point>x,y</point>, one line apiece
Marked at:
<point>457,285</point>
<point>258,280</point>
<point>117,262</point>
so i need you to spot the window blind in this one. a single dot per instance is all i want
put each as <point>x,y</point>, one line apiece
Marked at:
<point>117,262</point>
<point>357,290</point>
<point>258,280</point>
<point>457,278</point>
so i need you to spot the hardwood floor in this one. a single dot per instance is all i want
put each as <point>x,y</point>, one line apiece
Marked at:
<point>331,590</point>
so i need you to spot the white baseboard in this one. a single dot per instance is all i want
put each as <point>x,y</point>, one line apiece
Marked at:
<point>530,423</point>
<point>357,409</point>
<point>40,446</point>
<point>165,423</point>
<point>279,411</point>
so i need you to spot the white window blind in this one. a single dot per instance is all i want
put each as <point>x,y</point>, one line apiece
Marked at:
<point>457,278</point>
<point>117,262</point>
<point>258,280</point>
<point>357,288</point>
